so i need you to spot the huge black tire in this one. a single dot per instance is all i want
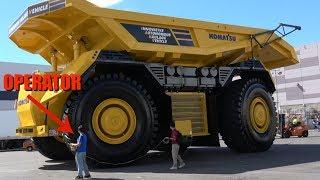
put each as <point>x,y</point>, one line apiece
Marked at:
<point>236,127</point>
<point>81,106</point>
<point>52,148</point>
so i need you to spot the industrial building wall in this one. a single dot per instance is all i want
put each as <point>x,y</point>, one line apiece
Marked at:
<point>298,86</point>
<point>8,116</point>
<point>9,123</point>
<point>7,98</point>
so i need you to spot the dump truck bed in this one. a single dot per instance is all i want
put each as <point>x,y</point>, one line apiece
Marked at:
<point>59,24</point>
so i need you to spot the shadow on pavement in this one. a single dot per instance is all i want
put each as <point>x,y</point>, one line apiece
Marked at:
<point>204,160</point>
<point>59,165</point>
<point>105,179</point>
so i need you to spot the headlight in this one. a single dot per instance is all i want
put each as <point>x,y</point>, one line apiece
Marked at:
<point>23,101</point>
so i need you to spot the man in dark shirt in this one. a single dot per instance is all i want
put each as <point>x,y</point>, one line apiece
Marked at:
<point>175,148</point>
<point>81,151</point>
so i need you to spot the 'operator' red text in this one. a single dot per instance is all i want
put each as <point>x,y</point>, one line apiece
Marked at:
<point>42,82</point>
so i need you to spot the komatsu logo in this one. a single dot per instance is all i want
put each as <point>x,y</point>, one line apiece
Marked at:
<point>225,37</point>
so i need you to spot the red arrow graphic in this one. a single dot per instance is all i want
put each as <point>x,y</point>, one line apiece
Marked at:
<point>64,124</point>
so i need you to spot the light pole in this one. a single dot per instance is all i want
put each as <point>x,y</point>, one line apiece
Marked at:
<point>303,104</point>
<point>277,92</point>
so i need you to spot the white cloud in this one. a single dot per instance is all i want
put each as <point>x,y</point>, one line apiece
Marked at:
<point>104,3</point>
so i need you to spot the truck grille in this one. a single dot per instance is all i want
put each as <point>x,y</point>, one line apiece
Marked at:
<point>224,73</point>
<point>190,107</point>
<point>157,71</point>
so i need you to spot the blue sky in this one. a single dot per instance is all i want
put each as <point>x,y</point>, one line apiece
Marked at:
<point>255,13</point>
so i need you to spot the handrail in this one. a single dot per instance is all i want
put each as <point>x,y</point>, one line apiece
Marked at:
<point>282,30</point>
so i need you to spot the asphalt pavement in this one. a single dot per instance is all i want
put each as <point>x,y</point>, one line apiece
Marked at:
<point>293,158</point>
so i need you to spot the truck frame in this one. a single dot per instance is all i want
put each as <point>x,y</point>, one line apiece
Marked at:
<point>140,72</point>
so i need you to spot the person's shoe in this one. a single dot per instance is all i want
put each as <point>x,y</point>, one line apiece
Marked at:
<point>87,176</point>
<point>79,177</point>
<point>182,165</point>
<point>174,168</point>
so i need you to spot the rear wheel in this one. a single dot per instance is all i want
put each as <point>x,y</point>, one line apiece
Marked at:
<point>286,134</point>
<point>120,118</point>
<point>52,148</point>
<point>305,134</point>
<point>30,148</point>
<point>248,121</point>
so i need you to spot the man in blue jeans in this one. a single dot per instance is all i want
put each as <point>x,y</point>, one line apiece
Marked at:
<point>81,152</point>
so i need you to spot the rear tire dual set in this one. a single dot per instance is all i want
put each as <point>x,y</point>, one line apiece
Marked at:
<point>247,116</point>
<point>247,119</point>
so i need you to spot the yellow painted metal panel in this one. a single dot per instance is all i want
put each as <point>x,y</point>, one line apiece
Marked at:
<point>184,127</point>
<point>78,66</point>
<point>101,28</point>
<point>31,116</point>
<point>28,113</point>
<point>190,106</point>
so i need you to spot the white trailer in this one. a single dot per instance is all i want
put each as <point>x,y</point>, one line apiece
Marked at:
<point>8,115</point>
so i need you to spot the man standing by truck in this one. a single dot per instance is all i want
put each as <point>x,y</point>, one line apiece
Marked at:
<point>81,151</point>
<point>175,138</point>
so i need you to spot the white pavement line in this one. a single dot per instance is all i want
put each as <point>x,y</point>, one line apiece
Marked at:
<point>14,171</point>
<point>15,162</point>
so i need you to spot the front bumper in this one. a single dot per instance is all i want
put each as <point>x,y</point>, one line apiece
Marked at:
<point>36,131</point>
<point>33,131</point>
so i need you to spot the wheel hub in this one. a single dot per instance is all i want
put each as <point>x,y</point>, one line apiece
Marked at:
<point>114,121</point>
<point>259,115</point>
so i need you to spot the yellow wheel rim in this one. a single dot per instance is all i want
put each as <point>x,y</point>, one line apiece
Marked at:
<point>259,115</point>
<point>114,121</point>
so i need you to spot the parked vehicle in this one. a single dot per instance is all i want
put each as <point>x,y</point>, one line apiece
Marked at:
<point>29,145</point>
<point>11,143</point>
<point>8,139</point>
<point>300,130</point>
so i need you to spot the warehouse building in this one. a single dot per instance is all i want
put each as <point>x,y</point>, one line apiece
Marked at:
<point>298,86</point>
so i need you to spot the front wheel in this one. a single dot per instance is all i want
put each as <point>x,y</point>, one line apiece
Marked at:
<point>120,118</point>
<point>247,116</point>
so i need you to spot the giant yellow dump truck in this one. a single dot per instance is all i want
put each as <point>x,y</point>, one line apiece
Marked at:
<point>141,71</point>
